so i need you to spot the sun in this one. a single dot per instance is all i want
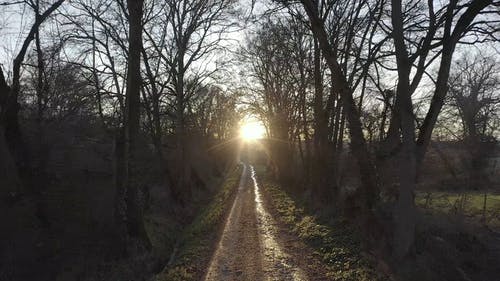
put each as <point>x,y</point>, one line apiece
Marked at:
<point>252,130</point>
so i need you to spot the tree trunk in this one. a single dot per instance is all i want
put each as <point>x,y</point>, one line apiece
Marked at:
<point>11,185</point>
<point>120,181</point>
<point>320,122</point>
<point>42,150</point>
<point>404,213</point>
<point>319,175</point>
<point>182,188</point>
<point>135,222</point>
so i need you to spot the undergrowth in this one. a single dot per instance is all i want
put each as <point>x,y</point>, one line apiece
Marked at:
<point>338,244</point>
<point>197,239</point>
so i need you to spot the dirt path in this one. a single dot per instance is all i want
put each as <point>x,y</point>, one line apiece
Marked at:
<point>251,247</point>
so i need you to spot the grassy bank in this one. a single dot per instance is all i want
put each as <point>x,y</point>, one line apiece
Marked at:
<point>195,246</point>
<point>337,244</point>
<point>481,207</point>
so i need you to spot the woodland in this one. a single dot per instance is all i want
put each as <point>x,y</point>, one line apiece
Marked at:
<point>126,125</point>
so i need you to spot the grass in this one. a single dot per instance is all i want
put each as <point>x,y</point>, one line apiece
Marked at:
<point>197,239</point>
<point>338,244</point>
<point>470,204</point>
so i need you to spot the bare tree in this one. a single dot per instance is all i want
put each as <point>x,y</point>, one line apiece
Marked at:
<point>415,49</point>
<point>8,169</point>
<point>195,30</point>
<point>11,104</point>
<point>474,83</point>
<point>474,95</point>
<point>276,59</point>
<point>413,150</point>
<point>358,143</point>
<point>98,31</point>
<point>134,210</point>
<point>10,107</point>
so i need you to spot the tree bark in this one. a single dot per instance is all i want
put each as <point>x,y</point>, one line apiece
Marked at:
<point>135,222</point>
<point>404,213</point>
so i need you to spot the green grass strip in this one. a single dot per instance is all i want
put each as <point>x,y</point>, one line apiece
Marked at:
<point>337,244</point>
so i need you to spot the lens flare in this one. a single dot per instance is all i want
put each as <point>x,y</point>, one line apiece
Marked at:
<point>252,130</point>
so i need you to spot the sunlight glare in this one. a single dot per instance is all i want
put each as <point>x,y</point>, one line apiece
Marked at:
<point>252,130</point>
